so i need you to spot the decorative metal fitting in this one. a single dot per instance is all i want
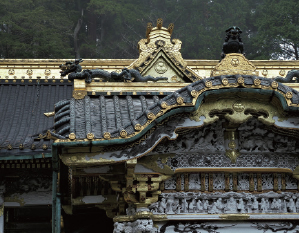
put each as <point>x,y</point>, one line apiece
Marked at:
<point>282,72</point>
<point>257,82</point>
<point>21,146</point>
<point>107,135</point>
<point>274,84</point>
<point>90,136</point>
<point>265,72</point>
<point>225,81</point>
<point>45,147</point>
<point>123,133</point>
<point>47,72</point>
<point>33,147</point>
<point>150,116</point>
<point>289,95</point>
<point>194,93</point>
<point>29,72</point>
<point>209,84</point>
<point>137,127</point>
<point>72,136</point>
<point>180,100</point>
<point>240,80</point>
<point>11,71</point>
<point>163,104</point>
<point>9,147</point>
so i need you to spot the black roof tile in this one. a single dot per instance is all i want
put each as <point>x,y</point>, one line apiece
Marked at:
<point>22,119</point>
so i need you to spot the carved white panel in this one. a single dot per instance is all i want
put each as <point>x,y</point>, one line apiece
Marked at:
<point>170,183</point>
<point>194,181</point>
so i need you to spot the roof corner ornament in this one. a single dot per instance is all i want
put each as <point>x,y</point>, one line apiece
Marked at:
<point>233,42</point>
<point>74,71</point>
<point>291,77</point>
<point>70,67</point>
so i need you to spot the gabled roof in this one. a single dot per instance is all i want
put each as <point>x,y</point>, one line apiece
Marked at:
<point>159,50</point>
<point>22,120</point>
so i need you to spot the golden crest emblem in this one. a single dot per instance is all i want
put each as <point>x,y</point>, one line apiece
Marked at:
<point>235,62</point>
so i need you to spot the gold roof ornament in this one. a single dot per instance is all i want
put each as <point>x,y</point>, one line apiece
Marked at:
<point>160,55</point>
<point>234,63</point>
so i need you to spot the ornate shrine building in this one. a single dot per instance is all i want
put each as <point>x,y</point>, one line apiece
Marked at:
<point>156,144</point>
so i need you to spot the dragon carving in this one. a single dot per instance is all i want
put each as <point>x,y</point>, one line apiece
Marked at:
<point>289,77</point>
<point>73,70</point>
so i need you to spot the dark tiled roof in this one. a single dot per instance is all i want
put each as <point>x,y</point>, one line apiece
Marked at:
<point>22,119</point>
<point>100,114</point>
<point>113,114</point>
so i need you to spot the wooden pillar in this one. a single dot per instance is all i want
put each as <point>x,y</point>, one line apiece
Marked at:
<point>1,215</point>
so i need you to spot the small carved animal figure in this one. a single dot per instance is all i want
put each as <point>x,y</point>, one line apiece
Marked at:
<point>233,42</point>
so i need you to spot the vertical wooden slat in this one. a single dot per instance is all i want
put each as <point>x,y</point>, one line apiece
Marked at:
<point>178,182</point>
<point>275,182</point>
<point>210,182</point>
<point>251,182</point>
<point>81,185</point>
<point>259,182</point>
<point>226,178</point>
<point>235,182</point>
<point>186,183</point>
<point>202,182</point>
<point>283,181</point>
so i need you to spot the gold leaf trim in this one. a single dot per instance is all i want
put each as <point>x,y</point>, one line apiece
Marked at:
<point>137,127</point>
<point>107,135</point>
<point>123,133</point>
<point>180,100</point>
<point>164,104</point>
<point>289,95</point>
<point>72,136</point>
<point>90,136</point>
<point>151,116</point>
<point>225,81</point>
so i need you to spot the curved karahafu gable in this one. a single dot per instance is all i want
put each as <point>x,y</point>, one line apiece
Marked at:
<point>237,98</point>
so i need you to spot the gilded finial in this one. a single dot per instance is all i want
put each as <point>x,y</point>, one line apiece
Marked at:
<point>170,28</point>
<point>148,29</point>
<point>159,23</point>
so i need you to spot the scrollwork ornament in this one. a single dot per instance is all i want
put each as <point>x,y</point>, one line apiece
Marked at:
<point>90,136</point>
<point>72,136</point>
<point>180,100</point>
<point>208,84</point>
<point>225,81</point>
<point>289,95</point>
<point>238,106</point>
<point>137,127</point>
<point>123,133</point>
<point>274,84</point>
<point>107,135</point>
